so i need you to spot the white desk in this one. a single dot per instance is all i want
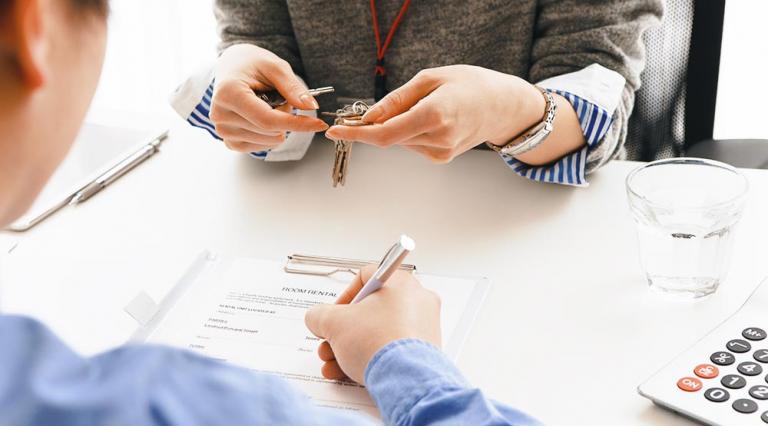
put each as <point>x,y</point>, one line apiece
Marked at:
<point>567,332</point>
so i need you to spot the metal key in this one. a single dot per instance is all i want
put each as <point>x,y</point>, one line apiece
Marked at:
<point>350,115</point>
<point>275,99</point>
<point>341,162</point>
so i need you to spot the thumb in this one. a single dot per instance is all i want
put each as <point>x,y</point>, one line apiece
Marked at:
<point>289,85</point>
<point>320,319</point>
<point>357,284</point>
<point>403,98</point>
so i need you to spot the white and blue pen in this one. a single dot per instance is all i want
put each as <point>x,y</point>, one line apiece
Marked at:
<point>389,264</point>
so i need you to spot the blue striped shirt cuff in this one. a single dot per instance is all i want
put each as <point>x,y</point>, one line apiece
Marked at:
<point>571,169</point>
<point>200,118</point>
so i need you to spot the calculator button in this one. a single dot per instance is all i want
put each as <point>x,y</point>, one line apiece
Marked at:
<point>722,358</point>
<point>759,392</point>
<point>765,417</point>
<point>733,381</point>
<point>750,368</point>
<point>753,333</point>
<point>761,355</point>
<point>717,395</point>
<point>739,346</point>
<point>706,371</point>
<point>746,406</point>
<point>689,384</point>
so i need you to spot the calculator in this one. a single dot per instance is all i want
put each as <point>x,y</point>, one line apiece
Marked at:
<point>723,378</point>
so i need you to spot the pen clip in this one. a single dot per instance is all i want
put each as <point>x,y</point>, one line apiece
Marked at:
<point>387,254</point>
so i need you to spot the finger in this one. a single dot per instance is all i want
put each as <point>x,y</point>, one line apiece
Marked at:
<point>319,319</point>
<point>403,98</point>
<point>325,352</point>
<point>435,155</point>
<point>234,133</point>
<point>282,77</point>
<point>261,115</point>
<point>284,121</point>
<point>366,272</point>
<point>351,291</point>
<point>233,119</point>
<point>332,371</point>
<point>392,132</point>
<point>430,140</point>
<point>245,147</point>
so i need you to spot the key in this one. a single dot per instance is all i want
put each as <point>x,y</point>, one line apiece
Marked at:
<point>341,162</point>
<point>350,115</point>
<point>275,99</point>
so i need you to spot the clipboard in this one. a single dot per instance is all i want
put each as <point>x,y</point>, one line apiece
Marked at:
<point>207,312</point>
<point>326,266</point>
<point>150,314</point>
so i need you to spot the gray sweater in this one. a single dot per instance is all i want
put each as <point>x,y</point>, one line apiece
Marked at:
<point>332,42</point>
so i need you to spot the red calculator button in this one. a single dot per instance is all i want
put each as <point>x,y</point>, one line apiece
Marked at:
<point>689,384</point>
<point>706,371</point>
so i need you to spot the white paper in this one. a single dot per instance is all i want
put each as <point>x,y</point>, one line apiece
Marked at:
<point>251,313</point>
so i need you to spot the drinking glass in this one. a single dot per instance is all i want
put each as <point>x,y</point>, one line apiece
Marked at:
<point>686,210</point>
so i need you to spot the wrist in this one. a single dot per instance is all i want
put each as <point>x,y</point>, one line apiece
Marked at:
<point>529,108</point>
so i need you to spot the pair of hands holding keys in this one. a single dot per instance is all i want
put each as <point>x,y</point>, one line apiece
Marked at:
<point>440,113</point>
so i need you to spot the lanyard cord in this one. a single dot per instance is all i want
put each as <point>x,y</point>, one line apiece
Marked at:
<point>380,79</point>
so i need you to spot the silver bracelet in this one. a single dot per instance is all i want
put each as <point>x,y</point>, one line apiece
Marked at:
<point>535,135</point>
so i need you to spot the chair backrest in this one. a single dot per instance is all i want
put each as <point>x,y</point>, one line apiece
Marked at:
<point>675,107</point>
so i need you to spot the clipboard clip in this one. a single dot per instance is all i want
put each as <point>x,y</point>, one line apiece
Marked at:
<point>324,266</point>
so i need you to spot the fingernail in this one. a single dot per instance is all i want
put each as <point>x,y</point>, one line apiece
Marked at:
<point>330,133</point>
<point>306,99</point>
<point>372,114</point>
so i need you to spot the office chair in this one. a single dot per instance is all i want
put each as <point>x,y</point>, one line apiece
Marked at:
<point>674,110</point>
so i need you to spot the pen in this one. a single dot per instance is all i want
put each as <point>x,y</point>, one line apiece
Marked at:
<point>389,264</point>
<point>119,169</point>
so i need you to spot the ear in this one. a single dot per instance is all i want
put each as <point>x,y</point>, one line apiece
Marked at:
<point>21,39</point>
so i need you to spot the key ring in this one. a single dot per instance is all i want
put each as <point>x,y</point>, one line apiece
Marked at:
<point>350,115</point>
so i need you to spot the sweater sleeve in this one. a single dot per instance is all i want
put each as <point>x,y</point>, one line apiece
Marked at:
<point>264,23</point>
<point>573,35</point>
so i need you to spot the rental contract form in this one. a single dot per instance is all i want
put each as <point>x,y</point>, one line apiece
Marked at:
<point>250,312</point>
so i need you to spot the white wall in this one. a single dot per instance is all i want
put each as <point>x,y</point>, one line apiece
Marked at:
<point>742,107</point>
<point>154,44</point>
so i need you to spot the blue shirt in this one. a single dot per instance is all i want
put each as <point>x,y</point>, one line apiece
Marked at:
<point>42,382</point>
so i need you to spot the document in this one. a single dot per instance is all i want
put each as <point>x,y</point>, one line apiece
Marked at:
<point>250,312</point>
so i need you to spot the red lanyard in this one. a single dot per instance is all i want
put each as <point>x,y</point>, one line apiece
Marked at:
<point>380,79</point>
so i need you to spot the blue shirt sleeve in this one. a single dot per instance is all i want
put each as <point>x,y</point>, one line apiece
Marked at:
<point>413,383</point>
<point>571,169</point>
<point>42,382</point>
<point>200,118</point>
